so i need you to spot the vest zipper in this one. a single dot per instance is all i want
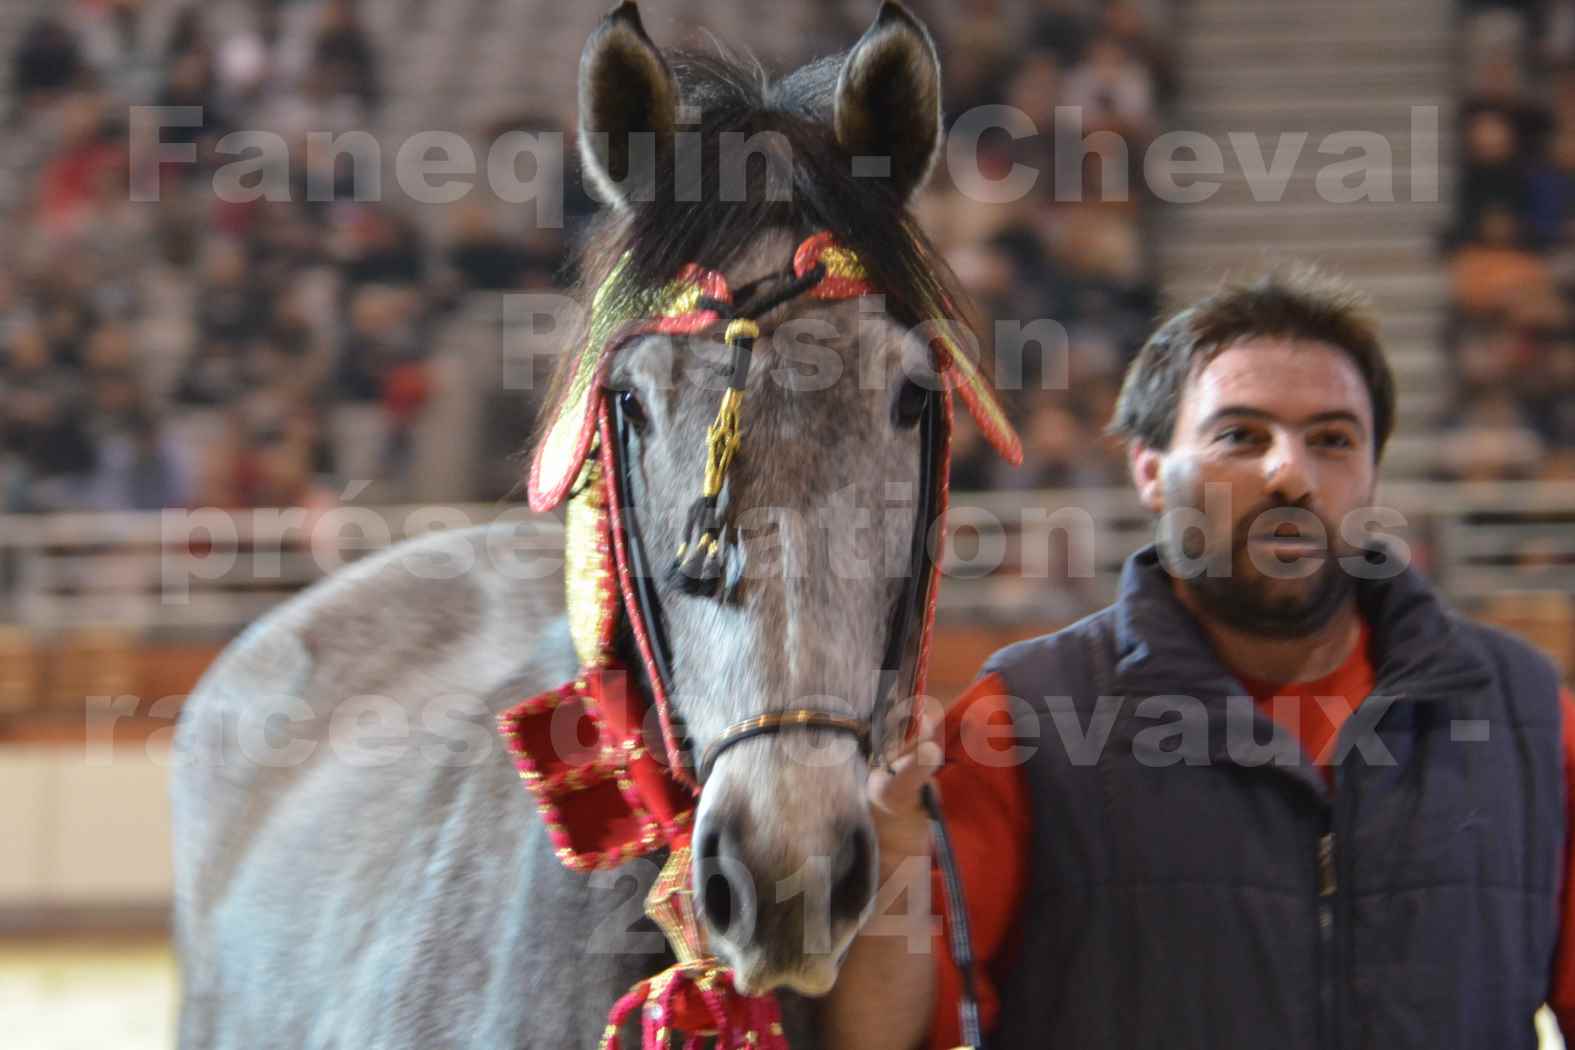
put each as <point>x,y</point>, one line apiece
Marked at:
<point>1328,885</point>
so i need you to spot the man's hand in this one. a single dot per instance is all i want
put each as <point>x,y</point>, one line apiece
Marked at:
<point>885,994</point>
<point>902,827</point>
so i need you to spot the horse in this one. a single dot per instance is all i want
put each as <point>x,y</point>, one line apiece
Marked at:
<point>340,883</point>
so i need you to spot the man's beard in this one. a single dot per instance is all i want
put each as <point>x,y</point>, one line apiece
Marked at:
<point>1253,604</point>
<point>1238,595</point>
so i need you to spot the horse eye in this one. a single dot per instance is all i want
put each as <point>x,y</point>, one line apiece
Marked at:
<point>629,404</point>
<point>907,405</point>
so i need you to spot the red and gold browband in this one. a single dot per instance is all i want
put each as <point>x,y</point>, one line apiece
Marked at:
<point>618,317</point>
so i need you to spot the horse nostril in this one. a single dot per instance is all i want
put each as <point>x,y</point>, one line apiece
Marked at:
<point>852,876</point>
<point>719,904</point>
<point>722,903</point>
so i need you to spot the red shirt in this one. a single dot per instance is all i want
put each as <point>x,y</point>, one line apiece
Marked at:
<point>987,816</point>
<point>1315,710</point>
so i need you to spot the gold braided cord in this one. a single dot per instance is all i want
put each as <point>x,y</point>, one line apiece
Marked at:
<point>722,442</point>
<point>740,328</point>
<point>706,543</point>
<point>723,436</point>
<point>843,262</point>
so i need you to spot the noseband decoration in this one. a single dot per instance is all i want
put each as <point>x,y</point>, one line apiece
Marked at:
<point>699,565</point>
<point>619,795</point>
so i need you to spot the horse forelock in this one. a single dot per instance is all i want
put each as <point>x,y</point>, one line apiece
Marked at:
<point>786,124</point>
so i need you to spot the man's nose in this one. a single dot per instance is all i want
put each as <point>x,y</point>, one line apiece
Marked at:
<point>1287,473</point>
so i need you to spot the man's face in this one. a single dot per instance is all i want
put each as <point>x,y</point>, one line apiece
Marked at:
<point>1272,450</point>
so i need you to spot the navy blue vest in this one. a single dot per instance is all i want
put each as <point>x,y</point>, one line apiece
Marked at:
<point>1195,884</point>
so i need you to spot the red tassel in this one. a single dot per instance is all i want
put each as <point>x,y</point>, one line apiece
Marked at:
<point>632,1000</point>
<point>668,1007</point>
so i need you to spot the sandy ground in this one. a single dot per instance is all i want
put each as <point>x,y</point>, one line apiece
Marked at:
<point>121,995</point>
<point>87,995</point>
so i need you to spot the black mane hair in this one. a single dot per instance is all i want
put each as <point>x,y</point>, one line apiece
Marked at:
<point>663,228</point>
<point>657,233</point>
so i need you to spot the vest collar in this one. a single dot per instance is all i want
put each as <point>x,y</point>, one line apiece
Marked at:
<point>1417,647</point>
<point>1417,650</point>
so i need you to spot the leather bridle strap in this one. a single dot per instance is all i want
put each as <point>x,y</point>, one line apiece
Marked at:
<point>916,589</point>
<point>768,725</point>
<point>650,608</point>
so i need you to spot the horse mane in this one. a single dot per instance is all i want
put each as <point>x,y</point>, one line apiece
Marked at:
<point>797,157</point>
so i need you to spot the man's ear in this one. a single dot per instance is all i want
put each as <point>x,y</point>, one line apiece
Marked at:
<point>1146,465</point>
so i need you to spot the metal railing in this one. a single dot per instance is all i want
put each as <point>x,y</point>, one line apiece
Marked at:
<point>1041,556</point>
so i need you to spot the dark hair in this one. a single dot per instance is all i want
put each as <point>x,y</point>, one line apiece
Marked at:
<point>1304,305</point>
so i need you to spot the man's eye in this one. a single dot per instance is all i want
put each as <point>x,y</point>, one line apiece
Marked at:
<point>1235,436</point>
<point>1334,439</point>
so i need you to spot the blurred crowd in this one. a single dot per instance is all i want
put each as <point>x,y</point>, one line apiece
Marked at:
<point>187,351</point>
<point>1073,251</point>
<point>1512,248</point>
<point>160,346</point>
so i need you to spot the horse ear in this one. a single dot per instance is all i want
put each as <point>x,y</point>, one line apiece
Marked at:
<point>628,106</point>
<point>888,112</point>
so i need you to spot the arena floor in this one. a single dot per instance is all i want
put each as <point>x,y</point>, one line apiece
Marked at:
<point>89,995</point>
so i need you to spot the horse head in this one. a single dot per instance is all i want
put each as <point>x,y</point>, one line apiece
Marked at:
<point>749,217</point>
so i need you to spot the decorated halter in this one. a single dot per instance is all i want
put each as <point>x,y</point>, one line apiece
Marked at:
<point>613,799</point>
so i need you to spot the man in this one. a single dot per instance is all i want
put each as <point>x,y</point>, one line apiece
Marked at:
<point>1183,843</point>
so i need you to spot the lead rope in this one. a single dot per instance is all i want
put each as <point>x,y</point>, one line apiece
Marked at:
<point>958,934</point>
